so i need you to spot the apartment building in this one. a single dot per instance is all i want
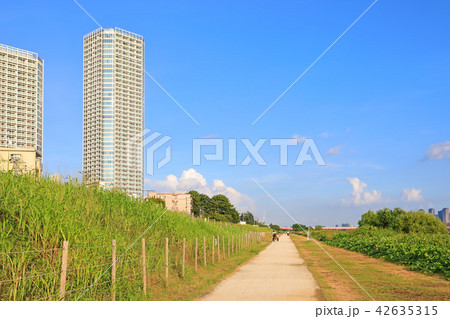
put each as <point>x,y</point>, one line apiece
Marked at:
<point>113,110</point>
<point>21,109</point>
<point>444,215</point>
<point>179,202</point>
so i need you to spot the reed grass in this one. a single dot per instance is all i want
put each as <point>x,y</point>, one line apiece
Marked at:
<point>37,215</point>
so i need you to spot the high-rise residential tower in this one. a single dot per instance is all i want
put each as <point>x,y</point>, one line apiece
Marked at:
<point>113,110</point>
<point>444,215</point>
<point>21,109</point>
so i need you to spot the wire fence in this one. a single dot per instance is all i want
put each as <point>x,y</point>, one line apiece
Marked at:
<point>107,272</point>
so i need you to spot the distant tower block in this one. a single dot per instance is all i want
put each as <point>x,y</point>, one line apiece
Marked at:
<point>113,110</point>
<point>21,109</point>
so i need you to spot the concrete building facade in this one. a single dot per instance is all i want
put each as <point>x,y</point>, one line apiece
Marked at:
<point>113,110</point>
<point>20,160</point>
<point>179,202</point>
<point>21,108</point>
<point>444,215</point>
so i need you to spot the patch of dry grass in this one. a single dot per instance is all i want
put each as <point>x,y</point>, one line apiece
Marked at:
<point>382,280</point>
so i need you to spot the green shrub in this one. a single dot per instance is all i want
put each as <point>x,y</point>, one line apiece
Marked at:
<point>402,221</point>
<point>429,253</point>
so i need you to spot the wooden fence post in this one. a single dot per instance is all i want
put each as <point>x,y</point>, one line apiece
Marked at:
<point>184,257</point>
<point>213,244</point>
<point>167,262</point>
<point>144,268</point>
<point>196,253</point>
<point>218,249</point>
<point>204,249</point>
<point>62,287</point>
<point>232,244</point>
<point>223,246</point>
<point>113,271</point>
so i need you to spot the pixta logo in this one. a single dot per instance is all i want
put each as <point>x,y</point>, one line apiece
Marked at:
<point>207,149</point>
<point>307,149</point>
<point>149,142</point>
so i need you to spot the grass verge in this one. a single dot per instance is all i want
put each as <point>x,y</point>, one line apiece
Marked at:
<point>382,280</point>
<point>37,215</point>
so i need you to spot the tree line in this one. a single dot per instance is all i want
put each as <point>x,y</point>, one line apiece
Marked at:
<point>219,207</point>
<point>402,221</point>
<point>396,219</point>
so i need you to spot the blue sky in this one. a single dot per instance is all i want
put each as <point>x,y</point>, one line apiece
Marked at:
<point>379,96</point>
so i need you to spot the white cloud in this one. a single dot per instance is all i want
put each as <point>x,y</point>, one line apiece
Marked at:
<point>359,196</point>
<point>300,139</point>
<point>173,184</point>
<point>412,195</point>
<point>324,134</point>
<point>334,150</point>
<point>439,151</point>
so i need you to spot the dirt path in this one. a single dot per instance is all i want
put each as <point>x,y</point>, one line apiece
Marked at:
<point>277,273</point>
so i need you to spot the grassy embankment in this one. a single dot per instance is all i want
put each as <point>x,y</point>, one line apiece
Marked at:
<point>381,279</point>
<point>37,216</point>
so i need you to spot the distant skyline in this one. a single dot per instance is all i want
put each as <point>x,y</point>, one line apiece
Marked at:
<point>376,104</point>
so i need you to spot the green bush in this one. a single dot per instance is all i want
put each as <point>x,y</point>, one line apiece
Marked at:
<point>402,221</point>
<point>429,253</point>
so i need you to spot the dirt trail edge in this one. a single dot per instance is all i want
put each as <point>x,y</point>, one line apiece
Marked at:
<point>276,273</point>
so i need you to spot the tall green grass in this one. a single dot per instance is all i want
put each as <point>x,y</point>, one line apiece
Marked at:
<point>39,214</point>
